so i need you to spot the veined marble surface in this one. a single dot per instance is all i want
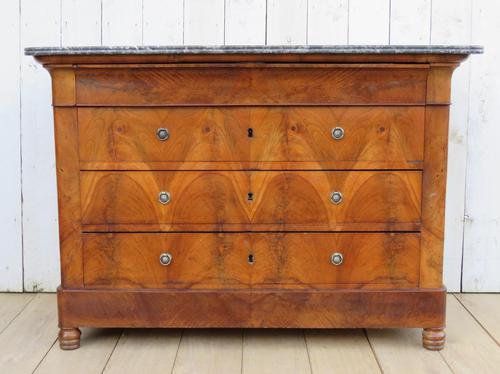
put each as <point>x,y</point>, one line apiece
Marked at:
<point>300,49</point>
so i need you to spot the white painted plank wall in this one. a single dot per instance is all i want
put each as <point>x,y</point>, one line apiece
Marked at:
<point>482,231</point>
<point>11,246</point>
<point>286,22</point>
<point>40,25</point>
<point>81,22</point>
<point>204,22</point>
<point>163,22</point>
<point>327,22</point>
<point>369,21</point>
<point>410,22</point>
<point>121,22</point>
<point>25,100</point>
<point>451,25</point>
<point>245,22</point>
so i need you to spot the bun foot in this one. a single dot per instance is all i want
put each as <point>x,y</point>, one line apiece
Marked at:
<point>433,338</point>
<point>69,338</point>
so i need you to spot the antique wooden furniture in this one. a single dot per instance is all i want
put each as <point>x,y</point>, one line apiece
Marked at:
<point>251,187</point>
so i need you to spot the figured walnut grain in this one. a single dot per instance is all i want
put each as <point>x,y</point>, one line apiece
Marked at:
<point>206,260</point>
<point>374,137</point>
<point>279,198</point>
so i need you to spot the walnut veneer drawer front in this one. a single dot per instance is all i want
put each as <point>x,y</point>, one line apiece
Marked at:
<point>324,200</point>
<point>252,85</point>
<point>361,137</point>
<point>244,260</point>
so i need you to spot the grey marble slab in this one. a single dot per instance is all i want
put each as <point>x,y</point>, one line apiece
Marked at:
<point>320,49</point>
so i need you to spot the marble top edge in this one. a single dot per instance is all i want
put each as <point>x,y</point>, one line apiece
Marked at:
<point>310,49</point>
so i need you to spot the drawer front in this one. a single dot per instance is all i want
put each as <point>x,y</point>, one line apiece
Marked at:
<point>273,84</point>
<point>205,260</point>
<point>364,136</point>
<point>369,200</point>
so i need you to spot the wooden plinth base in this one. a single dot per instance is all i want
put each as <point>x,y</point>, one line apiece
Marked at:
<point>256,308</point>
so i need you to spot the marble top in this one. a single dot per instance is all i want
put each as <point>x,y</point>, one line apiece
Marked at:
<point>320,49</point>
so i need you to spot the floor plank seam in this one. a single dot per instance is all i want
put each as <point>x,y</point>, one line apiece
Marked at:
<point>18,313</point>
<point>177,352</point>
<point>373,351</point>
<point>307,351</point>
<point>478,322</point>
<point>445,361</point>
<point>44,356</point>
<point>242,348</point>
<point>112,351</point>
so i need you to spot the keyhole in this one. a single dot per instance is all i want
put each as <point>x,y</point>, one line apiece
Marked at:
<point>250,196</point>
<point>250,133</point>
<point>250,259</point>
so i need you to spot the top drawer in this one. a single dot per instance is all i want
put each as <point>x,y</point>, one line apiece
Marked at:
<point>237,84</point>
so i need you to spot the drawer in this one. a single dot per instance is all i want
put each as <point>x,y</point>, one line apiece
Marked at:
<point>237,200</point>
<point>238,84</point>
<point>359,137</point>
<point>239,260</point>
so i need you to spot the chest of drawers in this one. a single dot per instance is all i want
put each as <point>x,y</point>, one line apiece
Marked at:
<point>251,187</point>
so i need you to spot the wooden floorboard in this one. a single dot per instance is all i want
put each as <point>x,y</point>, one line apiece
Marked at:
<point>28,333</point>
<point>469,348</point>
<point>275,352</point>
<point>96,348</point>
<point>11,304</point>
<point>150,351</point>
<point>209,352</point>
<point>28,338</point>
<point>486,310</point>
<point>336,351</point>
<point>401,351</point>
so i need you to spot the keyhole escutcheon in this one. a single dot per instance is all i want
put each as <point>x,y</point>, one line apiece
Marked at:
<point>250,132</point>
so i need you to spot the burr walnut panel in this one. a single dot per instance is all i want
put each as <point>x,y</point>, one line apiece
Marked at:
<point>253,308</point>
<point>194,134</point>
<point>239,260</point>
<point>377,137</point>
<point>368,135</point>
<point>372,200</point>
<point>251,84</point>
